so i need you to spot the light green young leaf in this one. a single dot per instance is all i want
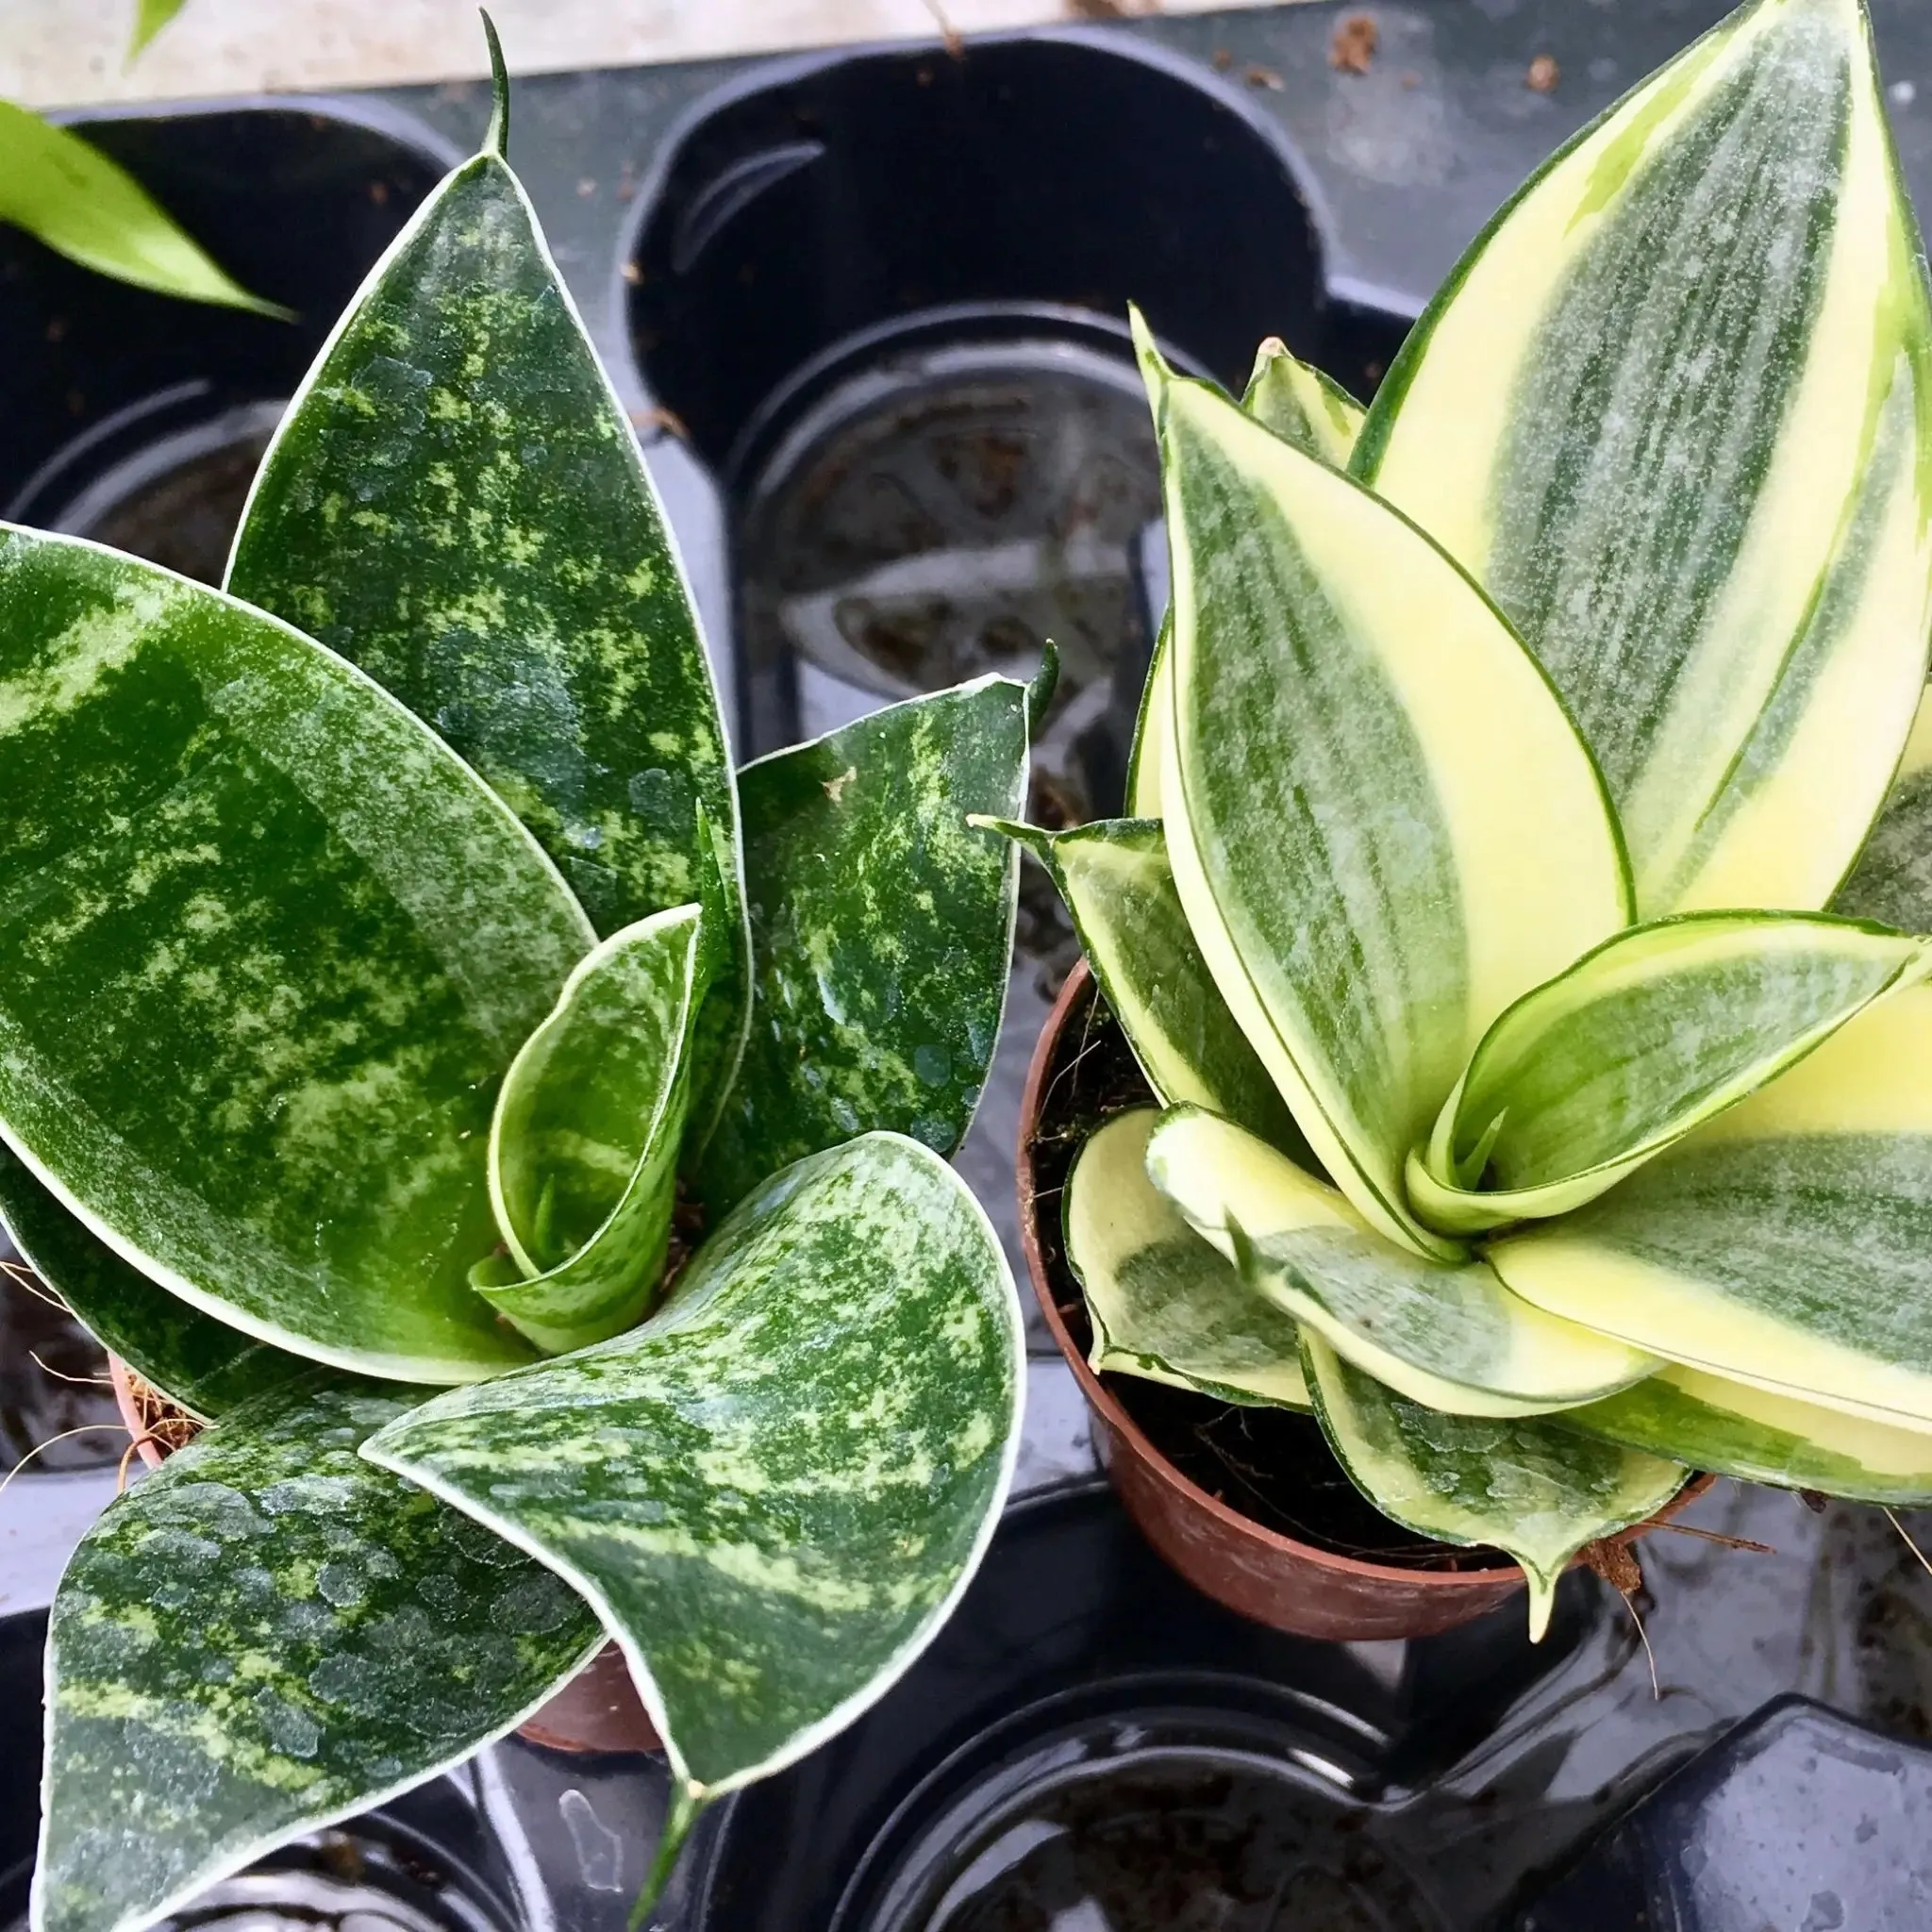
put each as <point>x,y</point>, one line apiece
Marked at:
<point>150,17</point>
<point>1657,1031</point>
<point>455,503</point>
<point>1675,412</point>
<point>1119,887</point>
<point>1447,1334</point>
<point>267,1635</point>
<point>1891,882</point>
<point>775,1490</point>
<point>67,193</point>
<point>882,930</point>
<point>1732,1429</point>
<point>1302,406</point>
<point>1788,1244</point>
<point>1382,824</point>
<point>1533,1488</point>
<point>204,1366</point>
<point>268,949</point>
<point>1167,1306</point>
<point>583,1145</point>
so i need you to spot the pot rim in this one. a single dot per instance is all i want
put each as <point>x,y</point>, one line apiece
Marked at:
<point>1133,1442</point>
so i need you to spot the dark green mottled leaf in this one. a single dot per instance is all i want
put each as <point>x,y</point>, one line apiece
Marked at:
<point>457,504</point>
<point>66,193</point>
<point>1529,1487</point>
<point>583,1149</point>
<point>1119,887</point>
<point>266,949</point>
<point>1891,882</point>
<point>1165,1305</point>
<point>205,1365</point>
<point>265,1635</point>
<point>775,1490</point>
<point>882,927</point>
<point>1732,1429</point>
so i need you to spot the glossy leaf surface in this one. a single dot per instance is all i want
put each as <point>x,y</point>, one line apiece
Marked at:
<point>1673,412</point>
<point>1117,883</point>
<point>67,193</point>
<point>266,949</point>
<point>584,1142</point>
<point>1788,1244</point>
<point>1382,824</point>
<point>1448,1334</point>
<point>776,1488</point>
<point>456,502</point>
<point>1662,1028</point>
<point>1529,1487</point>
<point>1732,1429</point>
<point>882,928</point>
<point>204,1365</point>
<point>1165,1303</point>
<point>265,1635</point>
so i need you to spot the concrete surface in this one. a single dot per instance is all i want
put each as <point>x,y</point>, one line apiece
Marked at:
<point>63,53</point>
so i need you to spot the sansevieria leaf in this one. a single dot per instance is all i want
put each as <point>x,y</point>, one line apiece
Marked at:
<point>1671,410</point>
<point>1445,1333</point>
<point>1658,1030</point>
<point>584,1143</point>
<point>1382,824</point>
<point>456,502</point>
<point>1531,1488</point>
<point>1732,1429</point>
<point>266,949</point>
<point>882,926</point>
<point>1119,887</point>
<point>203,1365</point>
<point>1788,1244</point>
<point>1892,879</point>
<point>264,1635</point>
<point>776,1488</point>
<point>1302,406</point>
<point>1165,1303</point>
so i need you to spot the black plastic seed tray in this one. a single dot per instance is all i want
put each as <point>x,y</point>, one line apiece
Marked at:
<point>868,309</point>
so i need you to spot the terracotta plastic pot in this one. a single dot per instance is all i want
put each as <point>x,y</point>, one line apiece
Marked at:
<point>599,1709</point>
<point>1276,1579</point>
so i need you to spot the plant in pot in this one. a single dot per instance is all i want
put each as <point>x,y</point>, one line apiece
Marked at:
<point>397,985</point>
<point>1538,1072</point>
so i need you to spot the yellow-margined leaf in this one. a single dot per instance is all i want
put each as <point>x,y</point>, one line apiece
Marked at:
<point>1673,412</point>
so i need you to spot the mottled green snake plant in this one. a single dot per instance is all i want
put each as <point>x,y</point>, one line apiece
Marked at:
<point>393,968</point>
<point>1520,920</point>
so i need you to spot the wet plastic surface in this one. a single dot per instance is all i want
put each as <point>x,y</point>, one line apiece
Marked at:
<point>880,300</point>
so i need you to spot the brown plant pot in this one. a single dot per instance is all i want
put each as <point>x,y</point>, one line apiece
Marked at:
<point>1276,1579</point>
<point>599,1709</point>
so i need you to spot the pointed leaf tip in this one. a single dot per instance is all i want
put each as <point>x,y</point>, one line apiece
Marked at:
<point>1046,680</point>
<point>497,140</point>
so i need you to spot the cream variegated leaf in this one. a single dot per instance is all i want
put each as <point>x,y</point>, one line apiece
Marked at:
<point>1661,1028</point>
<point>1672,412</point>
<point>1304,408</point>
<point>1166,1305</point>
<point>1447,1334</point>
<point>1730,1428</point>
<point>1788,1244</point>
<point>1383,826</point>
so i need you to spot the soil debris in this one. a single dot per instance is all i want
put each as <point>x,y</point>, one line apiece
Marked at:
<point>1352,49</point>
<point>1260,76</point>
<point>1544,75</point>
<point>1222,58</point>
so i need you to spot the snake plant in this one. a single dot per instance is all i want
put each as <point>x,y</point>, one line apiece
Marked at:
<point>393,972</point>
<point>1546,1078</point>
